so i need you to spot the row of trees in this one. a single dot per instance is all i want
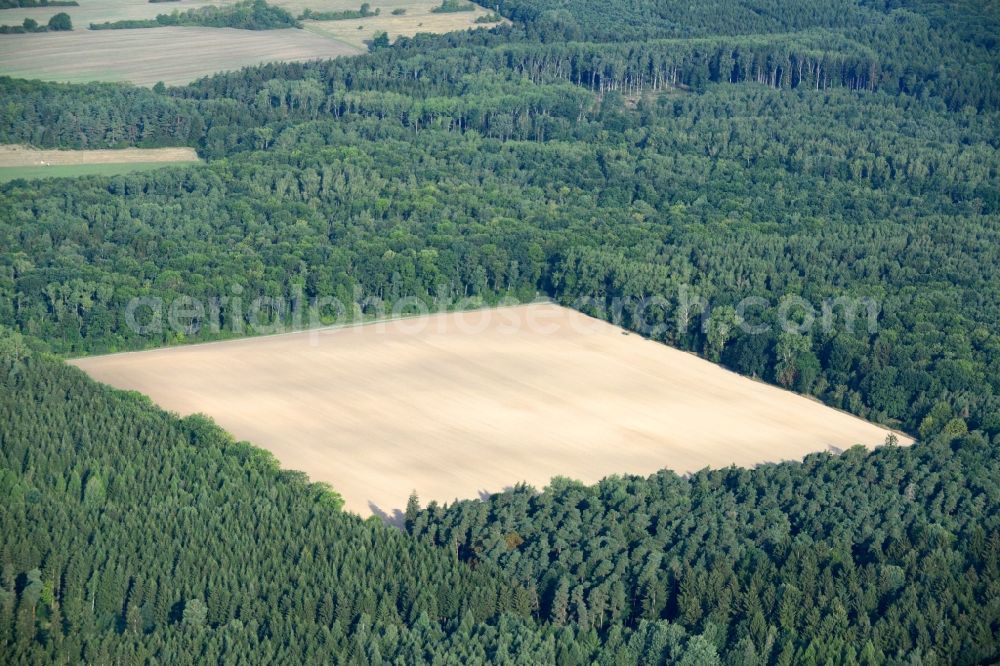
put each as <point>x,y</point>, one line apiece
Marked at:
<point>923,46</point>
<point>58,22</point>
<point>816,60</point>
<point>362,12</point>
<point>245,15</point>
<point>10,4</point>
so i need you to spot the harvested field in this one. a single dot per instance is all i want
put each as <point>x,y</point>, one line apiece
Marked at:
<point>454,405</point>
<point>357,32</point>
<point>100,11</point>
<point>172,55</point>
<point>179,55</point>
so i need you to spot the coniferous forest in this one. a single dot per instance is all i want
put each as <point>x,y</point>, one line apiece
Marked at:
<point>597,153</point>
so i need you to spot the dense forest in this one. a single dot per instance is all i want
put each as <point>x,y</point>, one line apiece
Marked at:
<point>858,558</point>
<point>600,154</point>
<point>924,47</point>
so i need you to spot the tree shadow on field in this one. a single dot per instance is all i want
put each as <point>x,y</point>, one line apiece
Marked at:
<point>396,519</point>
<point>486,495</point>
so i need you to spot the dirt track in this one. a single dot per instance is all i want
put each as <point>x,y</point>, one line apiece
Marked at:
<point>454,405</point>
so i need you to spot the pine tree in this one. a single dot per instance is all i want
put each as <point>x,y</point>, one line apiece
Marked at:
<point>559,608</point>
<point>412,511</point>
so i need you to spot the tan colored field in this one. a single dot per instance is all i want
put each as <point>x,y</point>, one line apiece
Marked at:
<point>22,156</point>
<point>172,55</point>
<point>99,11</point>
<point>180,55</point>
<point>454,405</point>
<point>357,32</point>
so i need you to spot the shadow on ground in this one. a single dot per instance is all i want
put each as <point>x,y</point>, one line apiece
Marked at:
<point>395,519</point>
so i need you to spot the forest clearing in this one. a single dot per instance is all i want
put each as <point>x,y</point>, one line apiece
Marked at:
<point>459,404</point>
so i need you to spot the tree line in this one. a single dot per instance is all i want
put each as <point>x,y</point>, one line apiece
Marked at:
<point>11,4</point>
<point>245,15</point>
<point>362,12</point>
<point>58,22</point>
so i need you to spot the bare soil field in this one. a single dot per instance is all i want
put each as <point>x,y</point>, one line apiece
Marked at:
<point>455,405</point>
<point>24,156</point>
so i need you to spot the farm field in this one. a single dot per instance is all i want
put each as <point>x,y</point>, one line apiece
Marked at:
<point>99,11</point>
<point>178,55</point>
<point>456,405</point>
<point>174,55</point>
<point>418,18</point>
<point>24,162</point>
